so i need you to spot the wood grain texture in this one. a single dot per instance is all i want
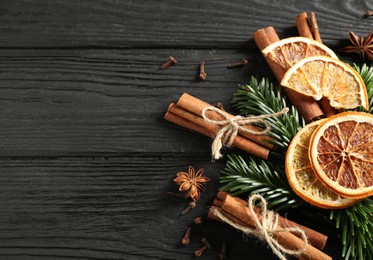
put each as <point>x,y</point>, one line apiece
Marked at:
<point>108,208</point>
<point>85,155</point>
<point>86,208</point>
<point>64,103</point>
<point>176,24</point>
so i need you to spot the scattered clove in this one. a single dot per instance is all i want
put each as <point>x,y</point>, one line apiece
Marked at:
<point>186,240</point>
<point>368,13</point>
<point>198,220</point>
<point>223,250</point>
<point>200,251</point>
<point>171,61</point>
<point>202,73</point>
<point>190,206</point>
<point>204,241</point>
<point>206,246</point>
<point>220,106</point>
<point>237,64</point>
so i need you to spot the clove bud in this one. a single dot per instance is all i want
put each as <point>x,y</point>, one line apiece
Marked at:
<point>198,220</point>
<point>186,240</point>
<point>206,246</point>
<point>171,61</point>
<point>237,64</point>
<point>220,106</point>
<point>190,206</point>
<point>368,13</point>
<point>202,73</point>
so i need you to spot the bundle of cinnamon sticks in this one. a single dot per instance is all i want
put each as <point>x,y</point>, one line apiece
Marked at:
<point>237,211</point>
<point>187,112</point>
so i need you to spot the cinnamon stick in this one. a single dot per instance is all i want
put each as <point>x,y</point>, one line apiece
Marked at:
<point>307,27</point>
<point>307,106</point>
<point>315,238</point>
<point>211,215</point>
<point>315,27</point>
<point>180,121</point>
<point>184,118</point>
<point>196,106</point>
<point>302,24</point>
<point>230,207</point>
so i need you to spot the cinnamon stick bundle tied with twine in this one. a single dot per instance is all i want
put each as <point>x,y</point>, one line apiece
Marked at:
<point>283,236</point>
<point>225,128</point>
<point>231,126</point>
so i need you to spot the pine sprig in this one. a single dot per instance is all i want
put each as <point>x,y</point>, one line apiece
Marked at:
<point>356,228</point>
<point>262,97</point>
<point>366,74</point>
<point>259,176</point>
<point>253,175</point>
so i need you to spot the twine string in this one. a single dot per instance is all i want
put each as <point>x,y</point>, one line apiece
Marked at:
<point>267,227</point>
<point>232,125</point>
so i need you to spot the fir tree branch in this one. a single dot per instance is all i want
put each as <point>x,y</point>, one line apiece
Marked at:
<point>356,227</point>
<point>262,97</point>
<point>259,176</point>
<point>366,74</point>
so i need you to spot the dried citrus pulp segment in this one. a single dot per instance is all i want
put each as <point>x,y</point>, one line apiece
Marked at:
<point>341,154</point>
<point>289,51</point>
<point>322,76</point>
<point>301,176</point>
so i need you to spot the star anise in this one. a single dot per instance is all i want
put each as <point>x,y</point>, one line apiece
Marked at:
<point>191,182</point>
<point>361,45</point>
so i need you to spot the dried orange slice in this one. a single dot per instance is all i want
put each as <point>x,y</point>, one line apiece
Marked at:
<point>289,51</point>
<point>341,154</point>
<point>303,179</point>
<point>322,76</point>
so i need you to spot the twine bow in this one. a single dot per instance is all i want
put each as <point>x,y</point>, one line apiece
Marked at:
<point>267,227</point>
<point>232,125</point>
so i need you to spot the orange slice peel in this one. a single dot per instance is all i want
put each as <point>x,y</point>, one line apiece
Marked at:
<point>341,154</point>
<point>322,76</point>
<point>289,51</point>
<point>302,178</point>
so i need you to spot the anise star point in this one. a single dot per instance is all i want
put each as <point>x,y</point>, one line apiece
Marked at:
<point>191,182</point>
<point>362,46</point>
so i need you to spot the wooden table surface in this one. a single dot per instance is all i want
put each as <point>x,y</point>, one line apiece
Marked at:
<point>86,157</point>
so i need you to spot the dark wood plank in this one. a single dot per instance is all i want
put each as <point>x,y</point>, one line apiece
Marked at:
<point>175,24</point>
<point>109,208</point>
<point>107,102</point>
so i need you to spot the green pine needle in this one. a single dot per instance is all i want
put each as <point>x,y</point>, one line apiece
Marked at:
<point>259,176</point>
<point>251,175</point>
<point>366,74</point>
<point>262,97</point>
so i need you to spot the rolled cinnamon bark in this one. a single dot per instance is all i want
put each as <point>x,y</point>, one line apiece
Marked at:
<point>232,210</point>
<point>196,106</point>
<point>307,106</point>
<point>315,238</point>
<point>184,118</point>
<point>314,27</point>
<point>211,215</point>
<point>307,27</point>
<point>180,121</point>
<point>302,24</point>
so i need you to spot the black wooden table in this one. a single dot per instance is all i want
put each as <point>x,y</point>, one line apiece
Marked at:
<point>86,156</point>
